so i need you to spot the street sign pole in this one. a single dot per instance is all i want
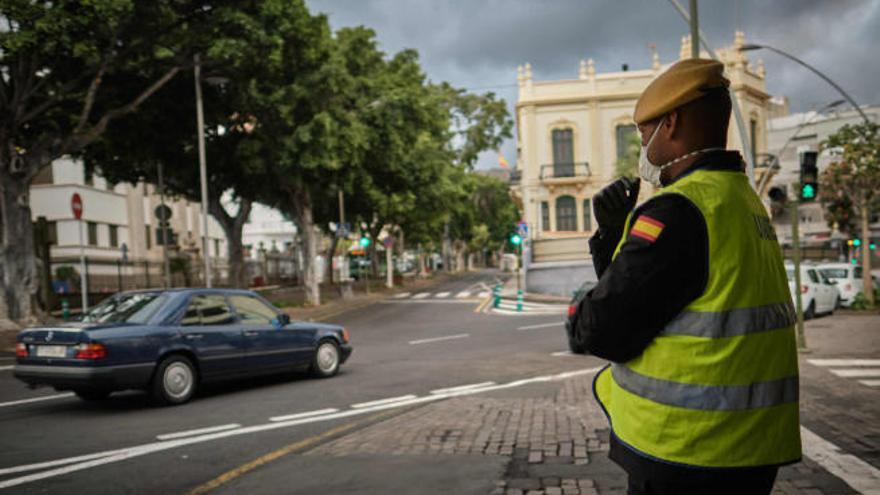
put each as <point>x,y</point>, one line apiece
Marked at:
<point>76,206</point>
<point>166,263</point>
<point>203,170</point>
<point>796,259</point>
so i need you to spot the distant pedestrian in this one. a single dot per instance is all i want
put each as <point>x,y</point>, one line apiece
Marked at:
<point>692,306</point>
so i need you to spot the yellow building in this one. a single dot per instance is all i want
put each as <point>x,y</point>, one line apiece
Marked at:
<point>570,134</point>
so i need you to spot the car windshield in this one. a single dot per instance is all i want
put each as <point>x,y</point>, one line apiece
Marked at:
<point>126,308</point>
<point>834,273</point>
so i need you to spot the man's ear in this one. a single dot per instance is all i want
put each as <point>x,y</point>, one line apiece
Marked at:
<point>672,124</point>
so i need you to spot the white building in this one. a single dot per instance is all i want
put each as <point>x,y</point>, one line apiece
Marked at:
<point>116,218</point>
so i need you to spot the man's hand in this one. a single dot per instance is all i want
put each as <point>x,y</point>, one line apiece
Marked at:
<point>613,204</point>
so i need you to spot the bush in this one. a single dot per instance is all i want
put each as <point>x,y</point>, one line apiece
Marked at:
<point>860,302</point>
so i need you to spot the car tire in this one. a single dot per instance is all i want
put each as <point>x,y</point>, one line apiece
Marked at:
<point>576,348</point>
<point>326,360</point>
<point>92,394</point>
<point>838,304</point>
<point>175,381</point>
<point>811,311</point>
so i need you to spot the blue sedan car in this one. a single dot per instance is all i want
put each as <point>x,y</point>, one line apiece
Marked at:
<point>167,342</point>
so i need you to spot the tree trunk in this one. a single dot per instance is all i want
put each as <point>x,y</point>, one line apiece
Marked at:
<point>302,205</point>
<point>232,228</point>
<point>18,276</point>
<point>445,248</point>
<point>331,252</point>
<point>867,282</point>
<point>374,250</point>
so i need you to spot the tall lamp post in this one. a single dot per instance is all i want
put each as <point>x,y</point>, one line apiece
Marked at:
<point>754,46</point>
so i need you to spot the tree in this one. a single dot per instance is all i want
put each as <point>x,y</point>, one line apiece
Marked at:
<point>850,187</point>
<point>628,164</point>
<point>69,70</point>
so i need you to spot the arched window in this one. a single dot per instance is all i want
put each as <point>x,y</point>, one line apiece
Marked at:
<point>566,213</point>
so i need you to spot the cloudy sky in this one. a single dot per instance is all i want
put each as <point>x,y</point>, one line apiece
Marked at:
<point>477,44</point>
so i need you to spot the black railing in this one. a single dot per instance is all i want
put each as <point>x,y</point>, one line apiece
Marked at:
<point>563,170</point>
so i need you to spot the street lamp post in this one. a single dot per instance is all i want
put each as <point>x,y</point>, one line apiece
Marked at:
<point>755,46</point>
<point>203,170</point>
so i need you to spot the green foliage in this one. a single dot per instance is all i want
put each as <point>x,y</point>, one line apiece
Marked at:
<point>861,303</point>
<point>67,273</point>
<point>628,164</point>
<point>850,187</point>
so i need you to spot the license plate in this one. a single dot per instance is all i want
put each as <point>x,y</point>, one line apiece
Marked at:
<point>56,351</point>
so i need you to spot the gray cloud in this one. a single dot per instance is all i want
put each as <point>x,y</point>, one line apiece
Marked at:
<point>478,43</point>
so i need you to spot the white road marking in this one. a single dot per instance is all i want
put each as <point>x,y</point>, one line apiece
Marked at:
<point>421,295</point>
<point>304,414</point>
<point>861,476</point>
<point>382,402</point>
<point>6,368</point>
<point>441,294</point>
<point>562,353</point>
<point>189,433</point>
<point>35,399</point>
<point>462,387</point>
<point>109,457</point>
<point>438,339</point>
<point>844,362</point>
<point>401,295</point>
<point>870,383</point>
<point>485,293</point>
<point>463,294</point>
<point>542,325</point>
<point>857,373</point>
<point>427,301</point>
<point>59,462</point>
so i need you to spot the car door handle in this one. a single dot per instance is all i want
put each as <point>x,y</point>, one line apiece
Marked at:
<point>250,333</point>
<point>194,336</point>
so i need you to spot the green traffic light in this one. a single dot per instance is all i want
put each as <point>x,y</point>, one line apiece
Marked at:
<point>365,241</point>
<point>872,246</point>
<point>855,261</point>
<point>808,191</point>
<point>515,239</point>
<point>857,242</point>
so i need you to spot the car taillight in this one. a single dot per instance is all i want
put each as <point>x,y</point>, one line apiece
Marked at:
<point>572,309</point>
<point>804,289</point>
<point>345,335</point>
<point>90,351</point>
<point>21,350</point>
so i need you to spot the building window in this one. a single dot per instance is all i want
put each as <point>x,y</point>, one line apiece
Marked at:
<point>114,235</point>
<point>753,135</point>
<point>52,233</point>
<point>588,223</point>
<point>563,153</point>
<point>566,214</point>
<point>88,175</point>
<point>623,134</point>
<point>147,236</point>
<point>93,233</point>
<point>545,215</point>
<point>216,247</point>
<point>44,176</point>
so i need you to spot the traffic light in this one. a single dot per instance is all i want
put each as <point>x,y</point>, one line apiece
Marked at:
<point>809,175</point>
<point>365,241</point>
<point>515,239</point>
<point>778,198</point>
<point>855,261</point>
<point>856,242</point>
<point>872,246</point>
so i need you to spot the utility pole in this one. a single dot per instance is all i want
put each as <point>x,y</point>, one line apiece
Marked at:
<point>203,169</point>
<point>163,224</point>
<point>695,31</point>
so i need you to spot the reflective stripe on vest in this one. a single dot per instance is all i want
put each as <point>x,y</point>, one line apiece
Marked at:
<point>708,397</point>
<point>718,387</point>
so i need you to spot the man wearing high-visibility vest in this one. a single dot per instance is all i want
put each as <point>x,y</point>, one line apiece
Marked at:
<point>692,306</point>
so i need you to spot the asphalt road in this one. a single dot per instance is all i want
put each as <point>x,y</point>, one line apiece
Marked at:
<point>403,347</point>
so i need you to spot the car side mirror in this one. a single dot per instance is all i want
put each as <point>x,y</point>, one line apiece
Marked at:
<point>281,320</point>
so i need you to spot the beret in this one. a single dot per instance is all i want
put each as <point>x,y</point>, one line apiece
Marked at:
<point>683,82</point>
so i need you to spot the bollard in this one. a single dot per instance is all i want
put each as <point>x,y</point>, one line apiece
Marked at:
<point>496,293</point>
<point>519,301</point>
<point>65,309</point>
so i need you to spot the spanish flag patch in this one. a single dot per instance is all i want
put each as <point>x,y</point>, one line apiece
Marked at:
<point>647,228</point>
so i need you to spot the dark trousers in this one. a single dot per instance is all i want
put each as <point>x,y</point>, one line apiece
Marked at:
<point>752,483</point>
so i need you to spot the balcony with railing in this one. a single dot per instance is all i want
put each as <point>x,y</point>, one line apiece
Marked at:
<point>565,173</point>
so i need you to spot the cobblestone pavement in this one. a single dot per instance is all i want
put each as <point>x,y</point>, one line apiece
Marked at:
<point>556,439</point>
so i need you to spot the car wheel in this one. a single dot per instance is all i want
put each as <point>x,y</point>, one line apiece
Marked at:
<point>325,362</point>
<point>175,381</point>
<point>92,394</point>
<point>811,311</point>
<point>576,348</point>
<point>838,304</point>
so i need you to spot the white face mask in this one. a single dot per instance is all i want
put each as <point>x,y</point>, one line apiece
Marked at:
<point>647,170</point>
<point>650,172</point>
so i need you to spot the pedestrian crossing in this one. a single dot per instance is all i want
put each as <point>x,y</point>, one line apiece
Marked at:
<point>508,306</point>
<point>864,371</point>
<point>421,296</point>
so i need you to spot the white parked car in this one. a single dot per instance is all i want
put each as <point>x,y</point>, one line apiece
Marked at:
<point>818,294</point>
<point>847,277</point>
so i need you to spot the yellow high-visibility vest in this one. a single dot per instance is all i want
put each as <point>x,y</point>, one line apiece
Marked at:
<point>719,386</point>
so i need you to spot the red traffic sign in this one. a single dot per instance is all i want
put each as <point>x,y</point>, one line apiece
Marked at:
<point>388,241</point>
<point>76,205</point>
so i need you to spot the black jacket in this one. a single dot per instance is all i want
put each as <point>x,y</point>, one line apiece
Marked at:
<point>647,285</point>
